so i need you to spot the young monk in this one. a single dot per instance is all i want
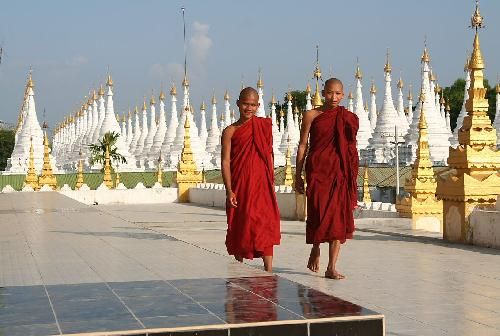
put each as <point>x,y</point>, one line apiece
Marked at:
<point>247,170</point>
<point>331,172</point>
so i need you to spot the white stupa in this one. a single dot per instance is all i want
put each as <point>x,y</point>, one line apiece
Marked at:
<point>214,133</point>
<point>365,130</point>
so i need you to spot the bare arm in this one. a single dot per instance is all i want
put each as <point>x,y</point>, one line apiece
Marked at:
<point>226,164</point>
<point>307,119</point>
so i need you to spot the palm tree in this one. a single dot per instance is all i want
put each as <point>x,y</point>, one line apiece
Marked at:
<point>98,151</point>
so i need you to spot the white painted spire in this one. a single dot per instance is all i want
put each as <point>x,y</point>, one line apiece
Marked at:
<point>261,112</point>
<point>213,132</point>
<point>138,153</point>
<point>203,127</point>
<point>279,157</point>
<point>148,142</point>
<point>365,130</point>
<point>403,122</point>
<point>372,115</point>
<point>172,123</point>
<point>159,136</point>
<point>137,132</point>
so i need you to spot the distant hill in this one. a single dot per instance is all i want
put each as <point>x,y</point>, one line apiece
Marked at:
<point>4,125</point>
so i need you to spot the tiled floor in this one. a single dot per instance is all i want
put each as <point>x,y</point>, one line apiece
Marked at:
<point>67,268</point>
<point>422,285</point>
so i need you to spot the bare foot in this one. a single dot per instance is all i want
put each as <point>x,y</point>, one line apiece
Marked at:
<point>313,262</point>
<point>333,274</point>
<point>238,258</point>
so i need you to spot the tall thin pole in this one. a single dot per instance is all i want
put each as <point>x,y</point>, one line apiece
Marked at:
<point>397,158</point>
<point>185,46</point>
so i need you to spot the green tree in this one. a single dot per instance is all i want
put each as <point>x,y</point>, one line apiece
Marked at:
<point>454,95</point>
<point>98,151</point>
<point>7,141</point>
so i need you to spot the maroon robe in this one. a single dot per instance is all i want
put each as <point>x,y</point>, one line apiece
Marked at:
<point>253,226</point>
<point>331,174</point>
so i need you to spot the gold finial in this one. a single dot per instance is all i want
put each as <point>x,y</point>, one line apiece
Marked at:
<point>387,67</point>
<point>433,76</point>
<point>358,74</point>
<point>296,109</point>
<point>422,122</point>
<point>108,180</point>
<point>273,100</point>
<point>373,89</point>
<point>422,96</point>
<point>437,88</point>
<point>282,113</point>
<point>401,84</point>
<point>366,107</point>
<point>476,20</point>
<point>117,178</point>
<point>425,56</point>
<point>476,61</point>
<point>144,104</point>
<point>202,107</point>
<point>317,101</point>
<point>162,95</point>
<point>129,114</point>
<point>109,82</point>
<point>289,96</point>
<point>214,100</point>
<point>101,91</point>
<point>226,95</point>
<point>448,108</point>
<point>498,88</point>
<point>308,88</point>
<point>410,94</point>
<point>260,83</point>
<point>31,177</point>
<point>47,177</point>
<point>173,90</point>
<point>442,101</point>
<point>350,95</point>
<point>30,84</point>
<point>159,171</point>
<point>185,81</point>
<point>152,101</point>
<point>94,96</point>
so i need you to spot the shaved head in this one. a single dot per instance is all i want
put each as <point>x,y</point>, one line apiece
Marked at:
<point>248,91</point>
<point>332,81</point>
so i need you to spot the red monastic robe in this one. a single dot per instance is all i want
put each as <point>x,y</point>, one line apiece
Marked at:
<point>331,174</point>
<point>253,226</point>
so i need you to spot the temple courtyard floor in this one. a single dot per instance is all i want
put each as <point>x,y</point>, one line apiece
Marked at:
<point>68,268</point>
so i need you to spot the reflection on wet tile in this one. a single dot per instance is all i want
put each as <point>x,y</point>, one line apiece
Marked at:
<point>358,328</point>
<point>200,303</point>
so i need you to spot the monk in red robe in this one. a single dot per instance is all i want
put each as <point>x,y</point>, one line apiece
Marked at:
<point>331,171</point>
<point>247,170</point>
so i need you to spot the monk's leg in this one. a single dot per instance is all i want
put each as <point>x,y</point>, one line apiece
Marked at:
<point>313,262</point>
<point>331,271</point>
<point>268,263</point>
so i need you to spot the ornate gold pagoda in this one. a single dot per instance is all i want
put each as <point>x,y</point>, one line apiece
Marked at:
<point>31,176</point>
<point>366,188</point>
<point>474,180</point>
<point>187,175</point>
<point>421,205</point>
<point>47,177</point>
<point>107,179</point>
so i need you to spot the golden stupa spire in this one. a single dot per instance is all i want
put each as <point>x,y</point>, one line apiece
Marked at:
<point>308,88</point>
<point>79,176</point>
<point>159,171</point>
<point>358,74</point>
<point>30,83</point>
<point>152,101</point>
<point>187,174</point>
<point>31,177</point>
<point>425,55</point>
<point>273,99</point>
<point>117,178</point>
<point>47,177</point>
<point>498,88</point>
<point>350,96</point>
<point>101,91</point>
<point>373,89</point>
<point>214,100</point>
<point>202,106</point>
<point>410,94</point>
<point>109,82</point>
<point>316,100</point>
<point>185,81</point>
<point>107,179</point>
<point>288,165</point>
<point>162,95</point>
<point>366,187</point>
<point>173,90</point>
<point>226,95</point>
<point>144,107</point>
<point>388,67</point>
<point>260,83</point>
<point>401,84</point>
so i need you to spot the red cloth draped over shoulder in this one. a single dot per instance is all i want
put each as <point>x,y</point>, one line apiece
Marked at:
<point>331,173</point>
<point>253,226</point>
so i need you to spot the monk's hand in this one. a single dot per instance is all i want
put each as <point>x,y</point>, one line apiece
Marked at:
<point>231,197</point>
<point>299,184</point>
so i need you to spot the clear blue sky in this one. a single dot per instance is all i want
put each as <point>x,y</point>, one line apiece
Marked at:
<point>70,45</point>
